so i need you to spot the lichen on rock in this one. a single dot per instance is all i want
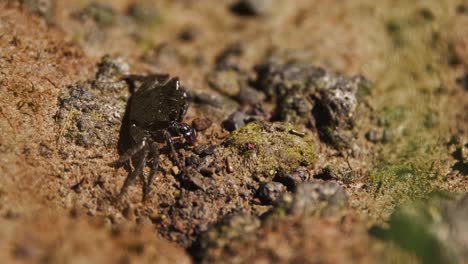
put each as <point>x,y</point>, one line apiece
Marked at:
<point>267,147</point>
<point>89,110</point>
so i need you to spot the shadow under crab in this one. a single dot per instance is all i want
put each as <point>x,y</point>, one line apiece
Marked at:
<point>153,115</point>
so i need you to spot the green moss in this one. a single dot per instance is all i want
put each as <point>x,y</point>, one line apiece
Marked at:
<point>417,227</point>
<point>397,184</point>
<point>395,29</point>
<point>392,115</point>
<point>268,147</point>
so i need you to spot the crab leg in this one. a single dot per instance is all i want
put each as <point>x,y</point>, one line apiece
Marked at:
<point>138,170</point>
<point>154,168</point>
<point>168,138</point>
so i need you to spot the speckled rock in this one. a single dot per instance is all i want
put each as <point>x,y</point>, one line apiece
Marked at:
<point>89,110</point>
<point>311,96</point>
<point>315,198</point>
<point>211,244</point>
<point>270,192</point>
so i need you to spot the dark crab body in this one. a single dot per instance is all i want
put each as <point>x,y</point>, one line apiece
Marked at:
<point>155,116</point>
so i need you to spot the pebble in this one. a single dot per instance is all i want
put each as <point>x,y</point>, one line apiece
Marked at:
<point>175,170</point>
<point>236,120</point>
<point>292,180</point>
<point>255,7</point>
<point>321,197</point>
<point>201,124</point>
<point>269,193</point>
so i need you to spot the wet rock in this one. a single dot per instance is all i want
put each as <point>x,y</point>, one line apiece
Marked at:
<point>236,120</point>
<point>255,7</point>
<point>270,192</point>
<point>312,198</point>
<point>304,94</point>
<point>268,147</point>
<point>434,229</point>
<point>292,180</point>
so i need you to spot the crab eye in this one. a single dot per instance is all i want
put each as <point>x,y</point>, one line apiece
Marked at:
<point>189,133</point>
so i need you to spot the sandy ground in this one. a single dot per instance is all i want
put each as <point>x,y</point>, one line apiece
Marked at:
<point>58,193</point>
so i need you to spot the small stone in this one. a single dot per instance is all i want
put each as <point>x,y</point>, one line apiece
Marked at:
<point>204,150</point>
<point>388,135</point>
<point>193,180</point>
<point>26,251</point>
<point>327,174</point>
<point>249,96</point>
<point>175,170</point>
<point>189,33</point>
<point>45,150</point>
<point>43,8</point>
<point>201,124</point>
<point>255,7</point>
<point>104,15</point>
<point>270,192</point>
<point>229,165</point>
<point>143,12</point>
<point>374,136</point>
<point>207,171</point>
<point>162,54</point>
<point>226,82</point>
<point>144,221</point>
<point>292,180</point>
<point>129,213</point>
<point>236,120</point>
<point>229,57</point>
<point>463,81</point>
<point>324,198</point>
<point>297,133</point>
<point>11,215</point>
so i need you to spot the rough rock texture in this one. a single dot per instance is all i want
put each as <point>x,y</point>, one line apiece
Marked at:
<point>312,96</point>
<point>88,111</point>
<point>433,229</point>
<point>240,239</point>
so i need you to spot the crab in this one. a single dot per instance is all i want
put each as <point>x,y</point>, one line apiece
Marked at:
<point>155,114</point>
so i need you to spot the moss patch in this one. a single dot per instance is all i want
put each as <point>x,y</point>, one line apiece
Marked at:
<point>268,147</point>
<point>397,184</point>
